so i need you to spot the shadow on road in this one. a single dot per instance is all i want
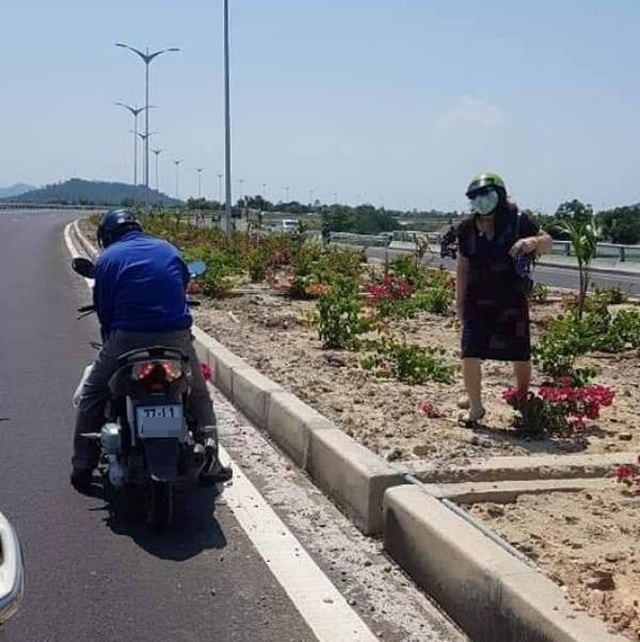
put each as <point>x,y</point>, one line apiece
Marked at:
<point>194,529</point>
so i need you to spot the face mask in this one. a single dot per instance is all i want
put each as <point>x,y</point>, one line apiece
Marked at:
<point>484,204</point>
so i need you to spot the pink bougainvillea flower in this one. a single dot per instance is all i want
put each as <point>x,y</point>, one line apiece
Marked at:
<point>430,410</point>
<point>206,371</point>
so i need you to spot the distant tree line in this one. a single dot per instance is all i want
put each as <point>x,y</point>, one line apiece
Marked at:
<point>619,225</point>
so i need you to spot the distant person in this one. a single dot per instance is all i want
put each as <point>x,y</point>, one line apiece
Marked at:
<point>326,233</point>
<point>491,298</point>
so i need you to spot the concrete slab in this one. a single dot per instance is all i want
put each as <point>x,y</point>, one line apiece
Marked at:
<point>507,492</point>
<point>492,595</point>
<point>517,468</point>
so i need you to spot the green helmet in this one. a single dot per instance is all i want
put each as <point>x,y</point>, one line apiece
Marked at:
<point>486,179</point>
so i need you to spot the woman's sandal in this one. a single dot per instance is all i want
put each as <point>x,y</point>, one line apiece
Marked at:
<point>472,421</point>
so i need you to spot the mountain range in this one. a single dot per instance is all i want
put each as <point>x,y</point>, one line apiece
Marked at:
<point>15,190</point>
<point>77,191</point>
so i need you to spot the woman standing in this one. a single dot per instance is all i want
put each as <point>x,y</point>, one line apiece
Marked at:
<point>491,299</point>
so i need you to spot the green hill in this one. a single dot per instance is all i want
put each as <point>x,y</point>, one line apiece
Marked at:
<point>80,192</point>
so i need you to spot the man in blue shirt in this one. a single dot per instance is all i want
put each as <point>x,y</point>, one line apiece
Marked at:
<point>140,298</point>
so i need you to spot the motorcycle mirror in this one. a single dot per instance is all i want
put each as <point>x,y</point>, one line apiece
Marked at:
<point>11,571</point>
<point>196,268</point>
<point>84,267</point>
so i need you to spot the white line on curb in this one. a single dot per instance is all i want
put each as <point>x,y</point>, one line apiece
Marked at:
<point>321,605</point>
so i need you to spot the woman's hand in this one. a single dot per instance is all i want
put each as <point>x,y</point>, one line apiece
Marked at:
<point>524,246</point>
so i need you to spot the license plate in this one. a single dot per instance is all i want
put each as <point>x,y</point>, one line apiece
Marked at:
<point>159,421</point>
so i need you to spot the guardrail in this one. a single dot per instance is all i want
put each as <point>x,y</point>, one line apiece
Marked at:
<point>51,206</point>
<point>603,250</point>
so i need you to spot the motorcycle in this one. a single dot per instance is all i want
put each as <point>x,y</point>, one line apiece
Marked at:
<point>148,441</point>
<point>11,571</point>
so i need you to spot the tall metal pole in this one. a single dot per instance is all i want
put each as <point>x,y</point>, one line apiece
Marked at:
<point>199,170</point>
<point>177,162</point>
<point>157,152</point>
<point>135,111</point>
<point>227,123</point>
<point>146,58</point>
<point>146,127</point>
<point>220,188</point>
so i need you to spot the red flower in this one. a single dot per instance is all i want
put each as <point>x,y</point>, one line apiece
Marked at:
<point>206,371</point>
<point>429,410</point>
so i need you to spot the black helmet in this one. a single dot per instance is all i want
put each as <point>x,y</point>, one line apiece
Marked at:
<point>115,223</point>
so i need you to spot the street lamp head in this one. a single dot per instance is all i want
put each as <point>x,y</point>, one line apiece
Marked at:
<point>173,49</point>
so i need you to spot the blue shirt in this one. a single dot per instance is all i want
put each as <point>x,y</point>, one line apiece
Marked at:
<point>140,286</point>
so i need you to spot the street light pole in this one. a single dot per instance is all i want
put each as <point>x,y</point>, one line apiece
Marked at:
<point>220,188</point>
<point>177,162</point>
<point>199,170</point>
<point>227,123</point>
<point>157,152</point>
<point>146,58</point>
<point>135,111</point>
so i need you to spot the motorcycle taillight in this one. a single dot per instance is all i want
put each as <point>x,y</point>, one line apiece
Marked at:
<point>156,374</point>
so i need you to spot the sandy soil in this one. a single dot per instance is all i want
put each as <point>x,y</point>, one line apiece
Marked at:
<point>587,542</point>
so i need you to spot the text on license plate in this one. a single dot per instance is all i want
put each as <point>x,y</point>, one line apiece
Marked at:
<point>159,421</point>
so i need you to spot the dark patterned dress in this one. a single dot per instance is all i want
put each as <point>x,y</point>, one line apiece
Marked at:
<point>496,311</point>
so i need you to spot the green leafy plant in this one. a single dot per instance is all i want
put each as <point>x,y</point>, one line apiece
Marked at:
<point>339,319</point>
<point>584,237</point>
<point>407,362</point>
<point>539,293</point>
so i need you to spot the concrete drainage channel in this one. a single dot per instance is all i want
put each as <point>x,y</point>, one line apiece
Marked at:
<point>490,589</point>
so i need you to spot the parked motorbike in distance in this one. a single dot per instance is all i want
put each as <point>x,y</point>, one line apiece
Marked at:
<point>12,571</point>
<point>148,440</point>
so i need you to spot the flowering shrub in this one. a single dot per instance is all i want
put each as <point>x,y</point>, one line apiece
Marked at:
<point>629,475</point>
<point>389,288</point>
<point>557,409</point>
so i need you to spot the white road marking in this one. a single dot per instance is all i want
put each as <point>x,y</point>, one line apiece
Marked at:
<point>321,605</point>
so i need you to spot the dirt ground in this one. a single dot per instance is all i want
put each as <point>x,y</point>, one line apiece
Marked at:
<point>587,542</point>
<point>576,539</point>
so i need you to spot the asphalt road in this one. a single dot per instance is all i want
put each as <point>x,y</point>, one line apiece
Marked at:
<point>560,277</point>
<point>90,579</point>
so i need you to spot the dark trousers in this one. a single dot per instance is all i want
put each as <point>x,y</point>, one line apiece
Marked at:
<point>95,393</point>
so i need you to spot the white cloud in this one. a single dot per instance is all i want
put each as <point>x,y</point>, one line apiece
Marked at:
<point>471,111</point>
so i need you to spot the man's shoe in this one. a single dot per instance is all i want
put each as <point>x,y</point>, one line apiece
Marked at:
<point>216,473</point>
<point>81,479</point>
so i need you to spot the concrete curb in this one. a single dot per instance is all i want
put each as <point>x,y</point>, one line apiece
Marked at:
<point>353,476</point>
<point>491,594</point>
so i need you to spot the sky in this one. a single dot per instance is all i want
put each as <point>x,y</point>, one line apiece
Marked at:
<point>397,103</point>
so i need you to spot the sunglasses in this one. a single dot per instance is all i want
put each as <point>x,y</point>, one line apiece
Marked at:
<point>481,191</point>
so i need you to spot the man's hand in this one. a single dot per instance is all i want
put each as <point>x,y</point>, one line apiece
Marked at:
<point>524,246</point>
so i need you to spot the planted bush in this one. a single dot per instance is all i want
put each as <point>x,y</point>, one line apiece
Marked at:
<point>407,362</point>
<point>340,320</point>
<point>556,410</point>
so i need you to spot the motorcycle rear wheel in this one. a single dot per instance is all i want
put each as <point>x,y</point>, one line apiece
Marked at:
<point>159,503</point>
